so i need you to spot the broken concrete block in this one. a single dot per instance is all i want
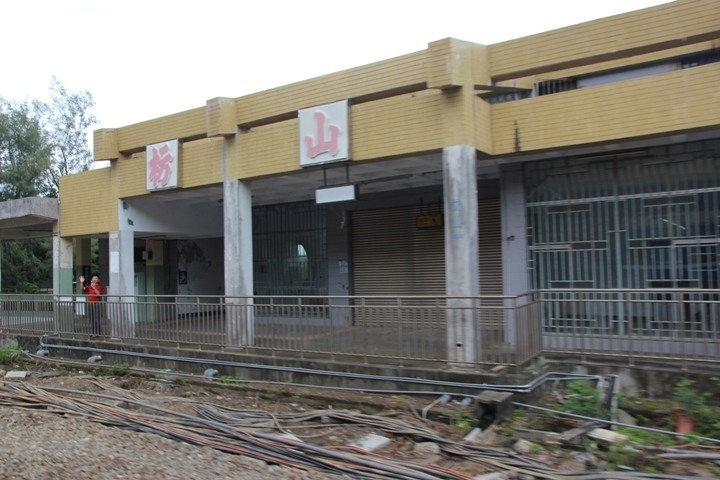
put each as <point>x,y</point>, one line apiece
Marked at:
<point>607,435</point>
<point>371,442</point>
<point>523,447</point>
<point>427,448</point>
<point>494,476</point>
<point>473,436</point>
<point>493,407</point>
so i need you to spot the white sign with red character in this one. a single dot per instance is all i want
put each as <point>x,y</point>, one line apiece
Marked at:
<point>324,134</point>
<point>162,165</point>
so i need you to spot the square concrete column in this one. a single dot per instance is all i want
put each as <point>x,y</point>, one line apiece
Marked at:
<point>62,283</point>
<point>62,265</point>
<point>121,288</point>
<point>237,225</point>
<point>514,245</point>
<point>338,253</point>
<point>462,268</point>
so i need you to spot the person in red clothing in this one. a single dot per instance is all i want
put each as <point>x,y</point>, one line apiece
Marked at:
<point>94,292</point>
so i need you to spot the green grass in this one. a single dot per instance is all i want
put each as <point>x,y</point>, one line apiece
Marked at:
<point>226,380</point>
<point>10,354</point>
<point>119,369</point>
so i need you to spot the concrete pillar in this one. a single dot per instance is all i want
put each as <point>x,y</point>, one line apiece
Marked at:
<point>237,225</point>
<point>461,253</point>
<point>63,283</point>
<point>514,245</point>
<point>338,255</point>
<point>121,286</point>
<point>62,265</point>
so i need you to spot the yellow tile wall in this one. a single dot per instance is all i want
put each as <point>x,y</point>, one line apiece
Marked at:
<point>392,126</point>
<point>394,123</point>
<point>387,127</point>
<point>201,162</point>
<point>377,77</point>
<point>662,56</point>
<point>88,203</point>
<point>265,150</point>
<point>105,146</point>
<point>130,171</point>
<point>654,105</point>
<point>187,124</point>
<point>671,22</point>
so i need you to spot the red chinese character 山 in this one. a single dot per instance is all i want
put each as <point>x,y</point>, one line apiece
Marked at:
<point>160,166</point>
<point>321,144</point>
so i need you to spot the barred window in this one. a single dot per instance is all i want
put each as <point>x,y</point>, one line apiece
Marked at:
<point>549,87</point>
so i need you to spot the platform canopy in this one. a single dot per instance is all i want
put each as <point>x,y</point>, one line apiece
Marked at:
<point>30,217</point>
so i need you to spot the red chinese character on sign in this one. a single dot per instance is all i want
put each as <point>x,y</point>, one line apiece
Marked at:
<point>160,164</point>
<point>321,145</point>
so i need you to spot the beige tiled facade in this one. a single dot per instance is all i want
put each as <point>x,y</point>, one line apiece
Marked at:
<point>428,100</point>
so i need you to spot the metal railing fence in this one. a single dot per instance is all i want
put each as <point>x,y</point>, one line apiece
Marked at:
<point>509,330</point>
<point>682,324</point>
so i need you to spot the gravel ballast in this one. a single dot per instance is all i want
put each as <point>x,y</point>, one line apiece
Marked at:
<point>40,445</point>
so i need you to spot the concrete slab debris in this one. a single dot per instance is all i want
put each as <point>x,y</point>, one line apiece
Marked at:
<point>371,442</point>
<point>607,435</point>
<point>494,476</point>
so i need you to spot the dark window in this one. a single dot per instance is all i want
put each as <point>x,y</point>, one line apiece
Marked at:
<point>704,58</point>
<point>556,86</point>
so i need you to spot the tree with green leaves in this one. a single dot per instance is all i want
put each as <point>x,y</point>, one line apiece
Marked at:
<point>24,158</point>
<point>24,152</point>
<point>39,142</point>
<point>66,119</point>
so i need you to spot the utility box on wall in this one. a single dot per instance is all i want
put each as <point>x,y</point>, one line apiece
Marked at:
<point>154,252</point>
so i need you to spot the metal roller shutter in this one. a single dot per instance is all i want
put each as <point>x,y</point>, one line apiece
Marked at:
<point>491,273</point>
<point>490,246</point>
<point>392,256</point>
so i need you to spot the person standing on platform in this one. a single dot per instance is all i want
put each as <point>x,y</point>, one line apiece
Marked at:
<point>94,291</point>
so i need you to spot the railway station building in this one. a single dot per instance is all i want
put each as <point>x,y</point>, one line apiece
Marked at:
<point>581,158</point>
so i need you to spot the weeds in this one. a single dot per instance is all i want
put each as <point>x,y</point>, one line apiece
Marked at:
<point>647,437</point>
<point>119,369</point>
<point>584,399</point>
<point>226,380</point>
<point>463,421</point>
<point>624,454</point>
<point>10,354</point>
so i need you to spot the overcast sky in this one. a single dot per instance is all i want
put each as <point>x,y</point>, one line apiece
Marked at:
<point>142,59</point>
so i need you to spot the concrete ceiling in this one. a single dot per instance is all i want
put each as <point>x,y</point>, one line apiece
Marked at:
<point>35,217</point>
<point>370,177</point>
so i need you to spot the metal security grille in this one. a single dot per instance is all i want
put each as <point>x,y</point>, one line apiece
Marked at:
<point>548,87</point>
<point>289,249</point>
<point>648,219</point>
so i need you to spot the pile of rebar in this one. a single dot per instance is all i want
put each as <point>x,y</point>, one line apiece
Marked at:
<point>245,432</point>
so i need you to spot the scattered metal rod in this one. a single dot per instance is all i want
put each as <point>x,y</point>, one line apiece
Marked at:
<point>222,433</point>
<point>610,422</point>
<point>442,400</point>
